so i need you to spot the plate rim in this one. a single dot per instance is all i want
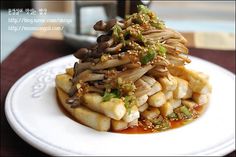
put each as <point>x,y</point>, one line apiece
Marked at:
<point>223,149</point>
<point>25,135</point>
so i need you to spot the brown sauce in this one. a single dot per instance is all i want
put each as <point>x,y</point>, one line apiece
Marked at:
<point>134,130</point>
<point>199,108</point>
<point>141,130</point>
<point>177,123</point>
<point>63,110</point>
<point>137,129</point>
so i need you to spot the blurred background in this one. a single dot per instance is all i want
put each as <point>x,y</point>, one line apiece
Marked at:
<point>184,16</point>
<point>208,10</point>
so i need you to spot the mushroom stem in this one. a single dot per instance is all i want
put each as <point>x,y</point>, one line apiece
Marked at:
<point>121,24</point>
<point>105,44</point>
<point>152,31</point>
<point>103,38</point>
<point>158,71</point>
<point>115,48</point>
<point>161,61</point>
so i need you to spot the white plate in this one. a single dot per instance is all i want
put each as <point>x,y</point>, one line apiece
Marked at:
<point>32,111</point>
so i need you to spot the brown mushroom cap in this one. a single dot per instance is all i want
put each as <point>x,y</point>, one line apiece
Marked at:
<point>82,53</point>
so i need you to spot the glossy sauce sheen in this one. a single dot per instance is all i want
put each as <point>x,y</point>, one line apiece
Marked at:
<point>64,111</point>
<point>134,130</point>
<point>140,130</point>
<point>137,129</point>
<point>174,124</point>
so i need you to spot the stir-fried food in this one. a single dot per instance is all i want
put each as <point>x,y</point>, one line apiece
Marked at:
<point>133,77</point>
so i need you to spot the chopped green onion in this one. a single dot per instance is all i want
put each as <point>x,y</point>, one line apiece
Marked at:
<point>157,121</point>
<point>143,9</point>
<point>148,57</point>
<point>129,102</point>
<point>162,50</point>
<point>165,125</point>
<point>161,123</point>
<point>172,116</point>
<point>185,111</point>
<point>140,37</point>
<point>108,95</point>
<point>116,31</point>
<point>158,25</point>
<point>138,20</point>
<point>116,92</point>
<point>127,32</point>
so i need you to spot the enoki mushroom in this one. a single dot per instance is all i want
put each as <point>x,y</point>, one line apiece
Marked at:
<point>138,45</point>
